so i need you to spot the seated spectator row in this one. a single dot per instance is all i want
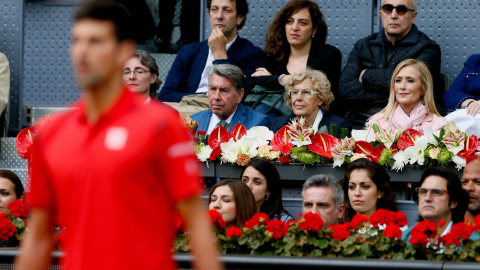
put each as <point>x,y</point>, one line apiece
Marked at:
<point>369,90</point>
<point>441,196</point>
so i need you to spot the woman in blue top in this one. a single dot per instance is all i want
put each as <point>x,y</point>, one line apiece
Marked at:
<point>465,91</point>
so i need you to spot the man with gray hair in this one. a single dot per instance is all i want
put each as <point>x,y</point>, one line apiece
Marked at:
<point>323,195</point>
<point>365,80</point>
<point>225,92</point>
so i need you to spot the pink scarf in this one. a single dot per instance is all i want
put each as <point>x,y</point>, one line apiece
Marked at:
<point>417,116</point>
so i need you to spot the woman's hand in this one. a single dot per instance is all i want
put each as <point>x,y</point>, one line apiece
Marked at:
<point>261,72</point>
<point>473,108</point>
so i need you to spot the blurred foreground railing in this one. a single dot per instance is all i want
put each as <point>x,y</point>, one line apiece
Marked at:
<point>7,257</point>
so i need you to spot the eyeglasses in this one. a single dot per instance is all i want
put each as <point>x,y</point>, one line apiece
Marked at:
<point>303,93</point>
<point>136,72</point>
<point>435,192</point>
<point>401,9</point>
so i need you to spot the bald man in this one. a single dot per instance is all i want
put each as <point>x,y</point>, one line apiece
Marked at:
<point>471,183</point>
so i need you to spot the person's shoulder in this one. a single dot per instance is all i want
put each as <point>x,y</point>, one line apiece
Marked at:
<point>247,46</point>
<point>474,58</point>
<point>50,123</point>
<point>200,115</point>
<point>192,48</point>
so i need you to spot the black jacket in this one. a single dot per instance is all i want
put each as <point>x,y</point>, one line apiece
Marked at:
<point>370,53</point>
<point>327,119</point>
<point>325,58</point>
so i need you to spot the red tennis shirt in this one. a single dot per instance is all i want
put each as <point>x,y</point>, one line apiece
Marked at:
<point>115,183</point>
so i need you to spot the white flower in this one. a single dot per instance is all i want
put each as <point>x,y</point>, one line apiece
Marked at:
<point>387,137</point>
<point>415,154</point>
<point>361,135</point>
<point>338,161</point>
<point>204,152</point>
<point>400,161</point>
<point>262,133</point>
<point>249,146</point>
<point>230,151</point>
<point>459,161</point>
<point>428,134</point>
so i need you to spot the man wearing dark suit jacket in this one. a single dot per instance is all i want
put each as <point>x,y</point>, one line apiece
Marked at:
<point>225,92</point>
<point>189,71</point>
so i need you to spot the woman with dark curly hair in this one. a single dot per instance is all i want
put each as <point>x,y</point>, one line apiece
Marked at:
<point>140,74</point>
<point>366,186</point>
<point>296,40</point>
<point>264,181</point>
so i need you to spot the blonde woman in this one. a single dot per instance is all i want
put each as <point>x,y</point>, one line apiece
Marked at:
<point>411,103</point>
<point>309,96</point>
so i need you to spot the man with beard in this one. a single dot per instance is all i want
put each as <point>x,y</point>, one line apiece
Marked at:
<point>471,183</point>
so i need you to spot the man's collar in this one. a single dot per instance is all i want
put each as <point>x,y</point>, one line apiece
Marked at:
<point>410,38</point>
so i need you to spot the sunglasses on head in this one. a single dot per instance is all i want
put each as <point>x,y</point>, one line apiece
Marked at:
<point>401,9</point>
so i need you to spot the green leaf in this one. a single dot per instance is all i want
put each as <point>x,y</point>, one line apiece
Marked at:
<point>334,130</point>
<point>343,133</point>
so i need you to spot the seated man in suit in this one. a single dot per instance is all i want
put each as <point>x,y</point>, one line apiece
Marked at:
<point>188,75</point>
<point>441,197</point>
<point>308,95</point>
<point>225,92</point>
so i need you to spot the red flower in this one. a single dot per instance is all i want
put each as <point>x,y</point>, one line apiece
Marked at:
<point>234,232</point>
<point>408,138</point>
<point>471,145</point>
<point>392,231</point>
<point>24,141</point>
<point>285,160</point>
<point>291,221</point>
<point>278,228</point>
<point>311,222</point>
<point>178,224</point>
<point>372,153</point>
<point>340,231</point>
<point>322,144</point>
<point>441,223</point>
<point>281,141</point>
<point>357,220</point>
<point>217,219</point>
<point>6,228</point>
<point>17,208</point>
<point>477,223</point>
<point>215,153</point>
<point>202,132</point>
<point>238,131</point>
<point>383,216</point>
<point>218,136</point>
<point>257,219</point>
<point>460,231</point>
<point>422,231</point>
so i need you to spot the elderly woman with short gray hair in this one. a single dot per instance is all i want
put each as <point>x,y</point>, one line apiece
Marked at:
<point>309,96</point>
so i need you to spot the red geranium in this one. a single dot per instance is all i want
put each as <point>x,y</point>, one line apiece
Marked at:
<point>234,232</point>
<point>311,222</point>
<point>6,227</point>
<point>392,231</point>
<point>460,231</point>
<point>256,220</point>
<point>340,231</point>
<point>19,209</point>
<point>277,228</point>
<point>217,219</point>
<point>383,216</point>
<point>357,220</point>
<point>422,232</point>
<point>477,223</point>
